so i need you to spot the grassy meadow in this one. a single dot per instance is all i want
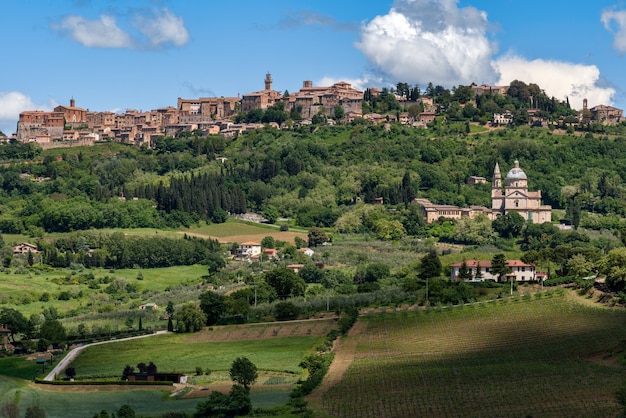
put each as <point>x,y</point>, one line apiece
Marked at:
<point>275,348</point>
<point>180,353</point>
<point>542,355</point>
<point>24,291</point>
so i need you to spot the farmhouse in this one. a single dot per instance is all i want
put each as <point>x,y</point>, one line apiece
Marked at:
<point>248,250</point>
<point>25,248</point>
<point>306,251</point>
<point>432,212</point>
<point>481,270</point>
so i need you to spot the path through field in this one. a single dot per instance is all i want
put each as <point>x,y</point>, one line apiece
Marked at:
<point>71,355</point>
<point>345,349</point>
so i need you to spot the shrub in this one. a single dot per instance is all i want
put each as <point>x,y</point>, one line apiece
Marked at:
<point>286,311</point>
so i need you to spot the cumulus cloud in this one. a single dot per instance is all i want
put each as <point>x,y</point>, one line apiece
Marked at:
<point>615,22</point>
<point>559,79</point>
<point>152,29</point>
<point>430,41</point>
<point>11,104</point>
<point>360,83</point>
<point>163,27</point>
<point>422,41</point>
<point>100,33</point>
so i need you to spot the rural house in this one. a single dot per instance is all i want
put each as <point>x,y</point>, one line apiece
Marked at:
<point>23,248</point>
<point>248,250</point>
<point>520,271</point>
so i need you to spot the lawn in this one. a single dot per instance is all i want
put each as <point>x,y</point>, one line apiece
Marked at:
<point>529,356</point>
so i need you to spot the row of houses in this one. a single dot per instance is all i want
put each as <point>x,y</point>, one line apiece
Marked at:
<point>253,250</point>
<point>73,125</point>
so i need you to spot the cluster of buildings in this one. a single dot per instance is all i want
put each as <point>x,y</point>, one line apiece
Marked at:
<point>71,125</point>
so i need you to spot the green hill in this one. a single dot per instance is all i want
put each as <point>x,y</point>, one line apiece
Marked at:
<point>545,355</point>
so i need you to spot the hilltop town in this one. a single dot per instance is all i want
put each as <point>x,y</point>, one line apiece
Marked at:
<point>339,103</point>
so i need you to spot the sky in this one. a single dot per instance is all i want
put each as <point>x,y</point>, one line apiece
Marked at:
<point>113,55</point>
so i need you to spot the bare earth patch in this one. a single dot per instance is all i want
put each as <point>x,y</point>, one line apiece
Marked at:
<point>278,235</point>
<point>316,327</point>
<point>345,349</point>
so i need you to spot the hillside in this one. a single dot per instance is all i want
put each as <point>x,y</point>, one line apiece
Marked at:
<point>482,360</point>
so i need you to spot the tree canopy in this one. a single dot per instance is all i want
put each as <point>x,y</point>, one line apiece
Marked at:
<point>244,372</point>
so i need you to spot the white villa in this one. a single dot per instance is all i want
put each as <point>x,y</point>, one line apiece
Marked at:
<point>249,250</point>
<point>520,271</point>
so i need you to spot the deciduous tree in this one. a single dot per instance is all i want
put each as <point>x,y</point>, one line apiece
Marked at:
<point>212,304</point>
<point>190,318</point>
<point>244,372</point>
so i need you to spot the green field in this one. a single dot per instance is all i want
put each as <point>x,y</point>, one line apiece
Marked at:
<point>23,291</point>
<point>529,356</point>
<point>181,353</point>
<point>275,348</point>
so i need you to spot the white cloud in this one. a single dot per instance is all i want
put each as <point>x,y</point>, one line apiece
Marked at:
<point>163,27</point>
<point>152,29</point>
<point>11,104</point>
<point>421,41</point>
<point>617,18</point>
<point>101,33</point>
<point>357,83</point>
<point>558,79</point>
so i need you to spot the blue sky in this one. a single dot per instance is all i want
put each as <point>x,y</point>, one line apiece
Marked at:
<point>144,54</point>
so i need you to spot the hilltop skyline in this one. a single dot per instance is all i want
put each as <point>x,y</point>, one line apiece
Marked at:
<point>144,54</point>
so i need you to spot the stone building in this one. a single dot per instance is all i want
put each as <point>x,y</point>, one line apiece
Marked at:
<point>74,116</point>
<point>311,99</point>
<point>513,196</point>
<point>207,109</point>
<point>33,124</point>
<point>261,99</point>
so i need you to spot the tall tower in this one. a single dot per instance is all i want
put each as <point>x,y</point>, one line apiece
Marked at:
<point>497,193</point>
<point>268,81</point>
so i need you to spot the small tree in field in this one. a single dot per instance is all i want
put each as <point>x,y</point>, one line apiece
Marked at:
<point>126,411</point>
<point>70,372</point>
<point>244,372</point>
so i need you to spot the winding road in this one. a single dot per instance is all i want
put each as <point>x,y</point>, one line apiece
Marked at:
<point>71,355</point>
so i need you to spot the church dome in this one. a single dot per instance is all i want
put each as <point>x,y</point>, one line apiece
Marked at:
<point>516,173</point>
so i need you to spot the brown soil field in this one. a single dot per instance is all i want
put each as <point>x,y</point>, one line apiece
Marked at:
<point>316,327</point>
<point>278,235</point>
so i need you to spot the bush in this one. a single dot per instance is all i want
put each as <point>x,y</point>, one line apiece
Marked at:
<point>285,311</point>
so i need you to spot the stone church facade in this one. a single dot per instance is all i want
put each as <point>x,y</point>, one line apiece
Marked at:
<point>513,196</point>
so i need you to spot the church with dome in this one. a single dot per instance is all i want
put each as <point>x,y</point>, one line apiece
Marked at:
<point>513,196</point>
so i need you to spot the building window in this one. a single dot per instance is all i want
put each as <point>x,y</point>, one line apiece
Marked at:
<point>517,203</point>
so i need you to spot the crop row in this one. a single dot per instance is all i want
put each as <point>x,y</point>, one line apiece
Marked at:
<point>514,358</point>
